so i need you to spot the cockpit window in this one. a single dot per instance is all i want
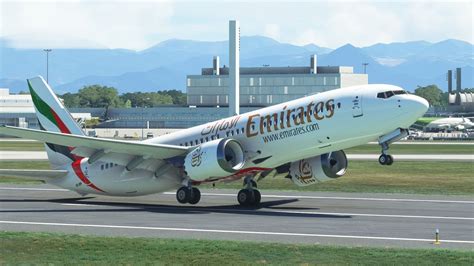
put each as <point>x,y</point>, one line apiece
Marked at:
<point>388,94</point>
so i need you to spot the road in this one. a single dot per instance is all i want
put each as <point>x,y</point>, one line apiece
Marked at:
<point>41,155</point>
<point>350,219</point>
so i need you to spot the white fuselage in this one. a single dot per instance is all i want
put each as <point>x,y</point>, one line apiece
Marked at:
<point>302,128</point>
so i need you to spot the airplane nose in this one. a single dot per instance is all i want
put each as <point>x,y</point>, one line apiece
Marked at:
<point>419,104</point>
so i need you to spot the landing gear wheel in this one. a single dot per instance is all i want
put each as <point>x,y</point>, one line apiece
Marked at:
<point>389,160</point>
<point>383,159</point>
<point>183,195</point>
<point>195,196</point>
<point>244,197</point>
<point>249,197</point>
<point>258,197</point>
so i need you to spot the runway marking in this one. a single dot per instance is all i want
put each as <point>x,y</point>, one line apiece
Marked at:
<point>210,209</point>
<point>233,232</point>
<point>274,196</point>
<point>34,189</point>
<point>80,204</point>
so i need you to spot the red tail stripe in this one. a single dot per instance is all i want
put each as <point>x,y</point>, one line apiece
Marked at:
<point>76,166</point>
<point>62,127</point>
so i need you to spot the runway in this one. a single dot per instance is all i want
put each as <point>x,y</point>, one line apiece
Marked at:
<point>40,155</point>
<point>350,219</point>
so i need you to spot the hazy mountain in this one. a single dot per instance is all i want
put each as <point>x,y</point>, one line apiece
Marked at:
<point>165,65</point>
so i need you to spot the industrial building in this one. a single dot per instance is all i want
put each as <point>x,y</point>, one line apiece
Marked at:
<point>17,110</point>
<point>459,101</point>
<point>265,86</point>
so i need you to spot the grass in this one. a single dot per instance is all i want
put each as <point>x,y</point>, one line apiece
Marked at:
<point>420,177</point>
<point>21,146</point>
<point>49,248</point>
<point>414,149</point>
<point>426,120</point>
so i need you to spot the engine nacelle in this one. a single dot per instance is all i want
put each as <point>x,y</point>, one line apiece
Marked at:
<point>318,169</point>
<point>217,158</point>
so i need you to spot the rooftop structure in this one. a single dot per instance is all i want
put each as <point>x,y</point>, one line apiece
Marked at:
<point>264,86</point>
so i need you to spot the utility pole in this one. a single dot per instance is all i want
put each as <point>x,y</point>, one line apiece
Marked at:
<point>365,67</point>
<point>47,64</point>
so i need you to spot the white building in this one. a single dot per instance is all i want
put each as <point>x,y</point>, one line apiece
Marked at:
<point>264,86</point>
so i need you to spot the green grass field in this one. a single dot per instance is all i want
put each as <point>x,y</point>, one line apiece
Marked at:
<point>446,178</point>
<point>21,146</point>
<point>367,148</point>
<point>413,149</point>
<point>21,248</point>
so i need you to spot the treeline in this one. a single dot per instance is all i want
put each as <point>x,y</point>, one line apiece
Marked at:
<point>435,96</point>
<point>107,97</point>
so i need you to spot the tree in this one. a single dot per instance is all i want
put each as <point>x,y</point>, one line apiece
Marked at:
<point>431,93</point>
<point>71,100</point>
<point>177,96</point>
<point>99,96</point>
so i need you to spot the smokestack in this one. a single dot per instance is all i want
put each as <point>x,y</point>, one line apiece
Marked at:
<point>458,79</point>
<point>234,67</point>
<point>314,64</point>
<point>215,65</point>
<point>450,81</point>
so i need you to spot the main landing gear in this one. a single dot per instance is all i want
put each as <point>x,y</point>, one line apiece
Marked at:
<point>249,196</point>
<point>386,140</point>
<point>188,194</point>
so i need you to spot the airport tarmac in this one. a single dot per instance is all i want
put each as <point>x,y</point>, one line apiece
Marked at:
<point>41,155</point>
<point>352,219</point>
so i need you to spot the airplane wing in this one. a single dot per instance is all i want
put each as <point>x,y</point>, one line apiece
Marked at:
<point>88,146</point>
<point>43,175</point>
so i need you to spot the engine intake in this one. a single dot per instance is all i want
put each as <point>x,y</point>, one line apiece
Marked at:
<point>217,158</point>
<point>318,169</point>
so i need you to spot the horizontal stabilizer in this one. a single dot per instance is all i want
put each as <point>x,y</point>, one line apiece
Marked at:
<point>34,174</point>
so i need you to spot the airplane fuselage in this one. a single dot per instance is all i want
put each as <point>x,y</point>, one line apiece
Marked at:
<point>271,136</point>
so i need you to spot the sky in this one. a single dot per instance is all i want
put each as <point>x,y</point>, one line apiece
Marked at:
<point>140,24</point>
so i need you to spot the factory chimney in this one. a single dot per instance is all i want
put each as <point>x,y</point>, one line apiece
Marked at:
<point>215,65</point>
<point>234,67</point>
<point>450,81</point>
<point>314,64</point>
<point>458,79</point>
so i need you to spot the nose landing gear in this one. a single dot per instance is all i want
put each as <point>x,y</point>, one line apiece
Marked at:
<point>386,140</point>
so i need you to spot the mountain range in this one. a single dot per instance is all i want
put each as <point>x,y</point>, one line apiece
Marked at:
<point>165,65</point>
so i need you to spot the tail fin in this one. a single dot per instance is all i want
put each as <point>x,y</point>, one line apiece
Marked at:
<point>54,117</point>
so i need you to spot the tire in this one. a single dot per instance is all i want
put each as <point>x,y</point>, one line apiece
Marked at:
<point>195,196</point>
<point>244,197</point>
<point>183,195</point>
<point>257,196</point>
<point>383,159</point>
<point>389,160</point>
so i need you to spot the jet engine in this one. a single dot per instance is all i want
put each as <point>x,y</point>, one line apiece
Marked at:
<point>217,158</point>
<point>318,169</point>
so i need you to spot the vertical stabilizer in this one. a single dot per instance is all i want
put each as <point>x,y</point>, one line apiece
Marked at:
<point>54,117</point>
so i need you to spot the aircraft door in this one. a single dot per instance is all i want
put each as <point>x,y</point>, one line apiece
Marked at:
<point>357,106</point>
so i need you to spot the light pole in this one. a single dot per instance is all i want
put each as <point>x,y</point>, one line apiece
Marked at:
<point>47,64</point>
<point>365,67</point>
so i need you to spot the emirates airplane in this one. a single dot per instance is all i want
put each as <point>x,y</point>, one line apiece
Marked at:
<point>301,139</point>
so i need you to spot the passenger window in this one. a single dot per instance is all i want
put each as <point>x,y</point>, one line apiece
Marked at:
<point>243,131</point>
<point>186,144</point>
<point>106,166</point>
<point>238,131</point>
<point>101,167</point>
<point>207,139</point>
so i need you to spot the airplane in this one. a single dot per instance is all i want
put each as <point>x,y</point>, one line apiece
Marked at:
<point>302,139</point>
<point>456,123</point>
